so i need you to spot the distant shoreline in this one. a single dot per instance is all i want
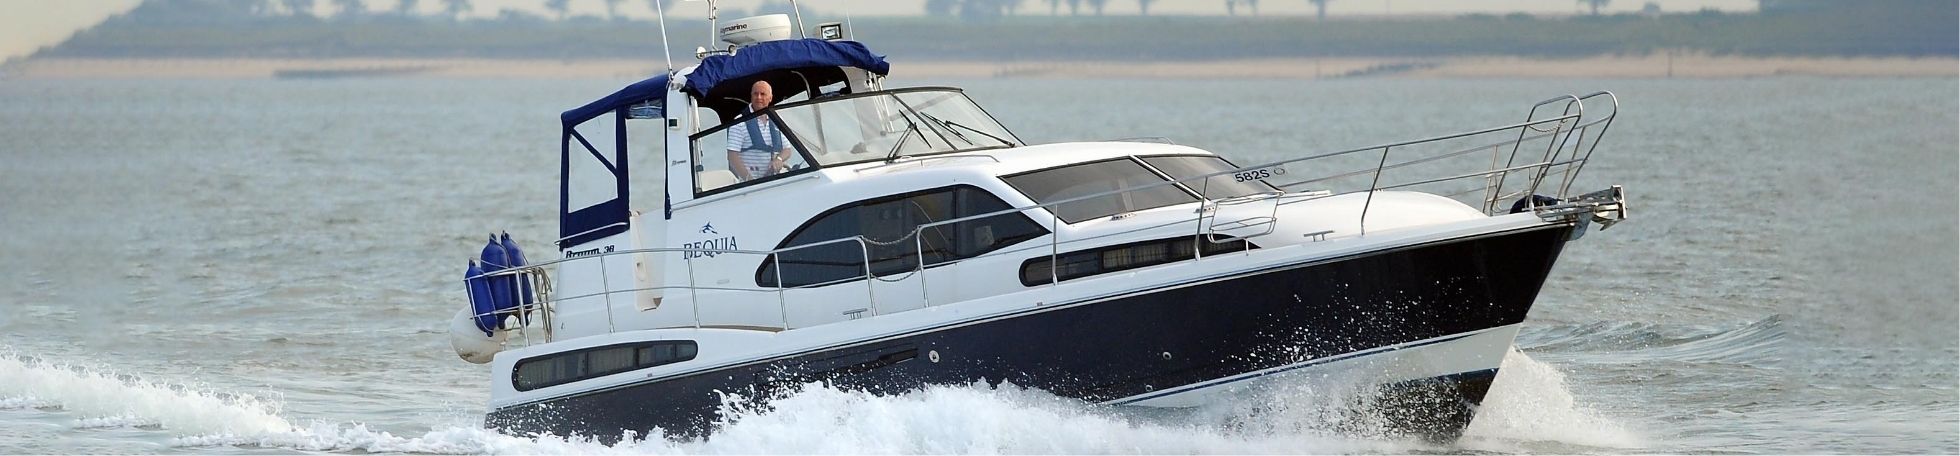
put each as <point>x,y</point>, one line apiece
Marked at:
<point>1657,65</point>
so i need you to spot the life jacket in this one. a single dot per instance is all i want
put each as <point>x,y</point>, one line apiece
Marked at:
<point>756,140</point>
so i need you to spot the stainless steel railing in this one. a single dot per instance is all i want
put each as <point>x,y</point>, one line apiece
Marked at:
<point>1568,137</point>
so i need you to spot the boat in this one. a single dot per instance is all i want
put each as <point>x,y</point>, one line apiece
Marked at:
<point>913,240</point>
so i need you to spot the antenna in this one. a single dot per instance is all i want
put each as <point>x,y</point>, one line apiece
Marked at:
<point>800,32</point>
<point>713,27</point>
<point>665,51</point>
<point>713,30</point>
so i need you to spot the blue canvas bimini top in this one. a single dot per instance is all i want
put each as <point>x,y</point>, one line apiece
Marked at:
<point>748,62</point>
<point>776,55</point>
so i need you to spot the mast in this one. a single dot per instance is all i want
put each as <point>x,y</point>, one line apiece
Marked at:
<point>714,28</point>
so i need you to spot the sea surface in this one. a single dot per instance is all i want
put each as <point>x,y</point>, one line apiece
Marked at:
<point>266,267</point>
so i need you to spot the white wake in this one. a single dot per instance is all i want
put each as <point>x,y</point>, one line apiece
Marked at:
<point>1529,403</point>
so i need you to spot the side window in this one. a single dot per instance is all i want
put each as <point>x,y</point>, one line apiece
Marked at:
<point>561,368</point>
<point>1084,263</point>
<point>742,152</point>
<point>887,225</point>
<point>711,169</point>
<point>978,236</point>
<point>891,224</point>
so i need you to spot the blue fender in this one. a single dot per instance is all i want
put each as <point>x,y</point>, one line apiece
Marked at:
<point>494,260</point>
<point>516,258</point>
<point>480,300</point>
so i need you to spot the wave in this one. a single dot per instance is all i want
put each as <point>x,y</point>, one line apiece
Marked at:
<point>1619,342</point>
<point>119,421</point>
<point>1527,408</point>
<point>107,399</point>
<point>1531,408</point>
<point>17,403</point>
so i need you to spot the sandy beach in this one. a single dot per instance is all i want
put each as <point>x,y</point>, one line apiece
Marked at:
<point>1658,65</point>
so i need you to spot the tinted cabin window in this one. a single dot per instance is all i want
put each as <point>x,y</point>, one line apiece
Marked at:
<point>1184,168</point>
<point>561,368</point>
<point>1074,181</point>
<point>888,224</point>
<point>1103,260</point>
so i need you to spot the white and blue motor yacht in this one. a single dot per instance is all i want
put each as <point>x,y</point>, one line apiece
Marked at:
<point>912,239</point>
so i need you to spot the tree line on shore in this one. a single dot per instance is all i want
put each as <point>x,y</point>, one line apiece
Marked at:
<point>561,9</point>
<point>954,29</point>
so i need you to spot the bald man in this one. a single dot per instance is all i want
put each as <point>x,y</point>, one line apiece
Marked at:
<point>756,148</point>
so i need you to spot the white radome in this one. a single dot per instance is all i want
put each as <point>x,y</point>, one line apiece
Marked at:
<point>756,29</point>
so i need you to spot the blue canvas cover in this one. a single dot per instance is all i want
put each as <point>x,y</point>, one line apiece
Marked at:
<point>750,61</point>
<point>652,89</point>
<point>776,55</point>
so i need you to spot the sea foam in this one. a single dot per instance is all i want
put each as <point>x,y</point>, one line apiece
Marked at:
<point>1529,403</point>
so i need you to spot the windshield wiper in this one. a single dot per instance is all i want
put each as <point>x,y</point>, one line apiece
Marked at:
<point>949,127</point>
<point>910,129</point>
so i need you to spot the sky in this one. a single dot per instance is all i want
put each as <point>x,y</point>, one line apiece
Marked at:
<point>28,25</point>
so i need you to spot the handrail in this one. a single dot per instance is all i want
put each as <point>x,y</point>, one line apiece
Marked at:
<point>542,298</point>
<point>1571,101</point>
<point>1453,154</point>
<point>590,231</point>
<point>1146,139</point>
<point>1568,147</point>
<point>1605,123</point>
<point>907,160</point>
<point>1539,165</point>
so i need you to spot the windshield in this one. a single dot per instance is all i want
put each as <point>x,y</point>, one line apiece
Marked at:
<point>885,124</point>
<point>961,123</point>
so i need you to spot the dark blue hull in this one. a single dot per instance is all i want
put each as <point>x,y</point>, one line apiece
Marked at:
<point>1115,348</point>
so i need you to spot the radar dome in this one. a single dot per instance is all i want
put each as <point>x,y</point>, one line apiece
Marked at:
<point>756,29</point>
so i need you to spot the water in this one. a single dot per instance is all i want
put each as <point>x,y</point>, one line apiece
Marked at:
<point>266,267</point>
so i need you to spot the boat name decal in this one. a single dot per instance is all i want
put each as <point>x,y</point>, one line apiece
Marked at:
<point>708,248</point>
<point>590,252</point>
